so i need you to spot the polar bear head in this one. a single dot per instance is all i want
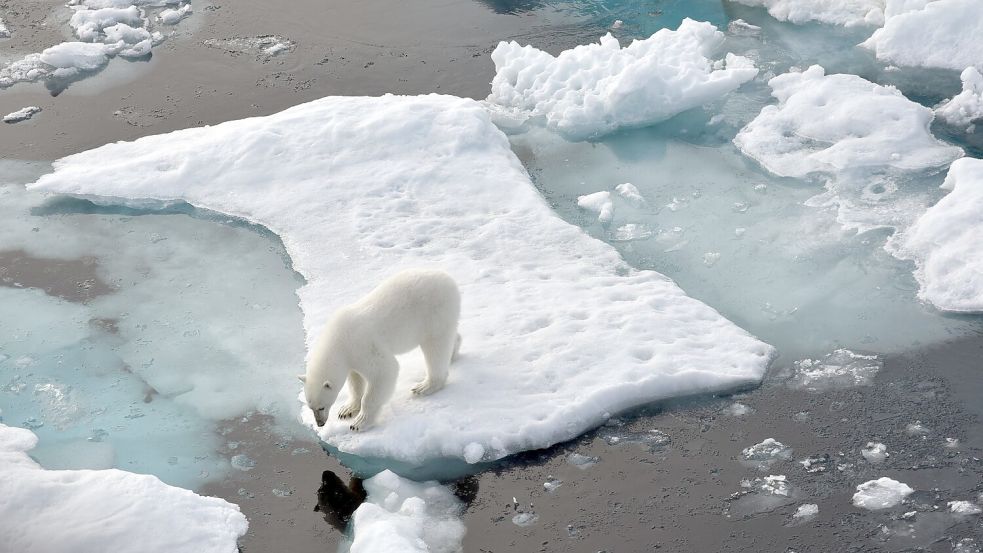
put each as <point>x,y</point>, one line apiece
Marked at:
<point>320,397</point>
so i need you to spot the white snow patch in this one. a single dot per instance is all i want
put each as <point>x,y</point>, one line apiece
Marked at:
<point>965,108</point>
<point>806,510</point>
<point>104,510</point>
<point>964,508</point>
<point>406,516</point>
<point>944,242</point>
<point>875,452</point>
<point>600,203</point>
<point>882,493</point>
<point>595,89</point>
<point>944,33</point>
<point>849,13</point>
<point>22,114</point>
<point>841,368</point>
<point>358,188</point>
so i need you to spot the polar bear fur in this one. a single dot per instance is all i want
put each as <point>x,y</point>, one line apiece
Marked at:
<point>360,342</point>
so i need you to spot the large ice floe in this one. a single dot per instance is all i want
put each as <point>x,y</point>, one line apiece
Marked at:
<point>945,242</point>
<point>595,89</point>
<point>103,510</point>
<point>559,333</point>
<point>943,33</point>
<point>849,13</point>
<point>406,516</point>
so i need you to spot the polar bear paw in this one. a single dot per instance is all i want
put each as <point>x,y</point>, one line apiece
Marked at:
<point>360,422</point>
<point>425,388</point>
<point>350,410</point>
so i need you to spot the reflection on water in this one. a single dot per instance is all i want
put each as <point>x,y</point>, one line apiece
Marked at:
<point>337,500</point>
<point>640,18</point>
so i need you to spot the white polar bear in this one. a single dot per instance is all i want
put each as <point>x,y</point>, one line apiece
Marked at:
<point>360,342</point>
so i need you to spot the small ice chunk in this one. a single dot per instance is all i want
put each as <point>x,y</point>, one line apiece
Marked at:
<point>243,462</point>
<point>952,443</point>
<point>582,462</point>
<point>552,484</point>
<point>775,485</point>
<point>711,258</point>
<point>525,519</point>
<point>966,107</point>
<point>917,429</point>
<point>282,492</point>
<point>739,232</point>
<point>600,203</point>
<point>4,31</point>
<point>172,16</point>
<point>806,510</point>
<point>742,28</point>
<point>473,453</point>
<point>737,409</point>
<point>965,508</point>
<point>840,369</point>
<point>875,452</point>
<point>617,24</point>
<point>632,231</point>
<point>767,452</point>
<point>22,114</point>
<point>630,193</point>
<point>882,493</point>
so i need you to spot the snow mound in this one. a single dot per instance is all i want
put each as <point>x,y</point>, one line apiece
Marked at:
<point>559,333</point>
<point>831,123</point>
<point>882,493</point>
<point>595,89</point>
<point>22,114</point>
<point>966,107</point>
<point>104,510</point>
<point>849,13</point>
<point>406,516</point>
<point>944,242</point>
<point>944,33</point>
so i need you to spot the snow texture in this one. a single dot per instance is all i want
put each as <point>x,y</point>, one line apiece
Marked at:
<point>849,13</point>
<point>944,33</point>
<point>831,123</point>
<point>559,333</point>
<point>595,89</point>
<point>22,114</point>
<point>882,493</point>
<point>944,242</point>
<point>406,516</point>
<point>93,511</point>
<point>966,108</point>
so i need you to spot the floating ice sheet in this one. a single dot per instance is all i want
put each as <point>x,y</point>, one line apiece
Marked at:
<point>595,89</point>
<point>104,510</point>
<point>849,13</point>
<point>558,332</point>
<point>944,33</point>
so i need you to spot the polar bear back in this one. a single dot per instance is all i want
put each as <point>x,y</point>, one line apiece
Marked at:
<point>411,307</point>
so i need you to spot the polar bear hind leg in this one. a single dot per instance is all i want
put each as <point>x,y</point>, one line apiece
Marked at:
<point>439,352</point>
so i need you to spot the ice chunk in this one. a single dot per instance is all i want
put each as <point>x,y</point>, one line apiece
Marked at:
<point>22,114</point>
<point>172,16</point>
<point>831,123</point>
<point>917,429</point>
<point>849,13</point>
<point>581,461</point>
<point>766,453</point>
<point>406,516</point>
<point>875,452</point>
<point>944,33</point>
<point>630,193</point>
<point>525,519</point>
<point>89,24</point>
<point>964,508</point>
<point>4,31</point>
<point>839,369</point>
<point>104,510</point>
<point>600,203</point>
<point>595,89</point>
<point>76,56</point>
<point>806,510</point>
<point>359,188</point>
<point>965,108</point>
<point>944,242</point>
<point>738,409</point>
<point>882,493</point>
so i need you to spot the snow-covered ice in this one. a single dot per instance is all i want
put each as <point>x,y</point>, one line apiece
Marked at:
<point>359,188</point>
<point>882,493</point>
<point>594,89</point>
<point>103,510</point>
<point>966,108</point>
<point>22,114</point>
<point>849,13</point>
<point>841,368</point>
<point>943,33</point>
<point>406,516</point>
<point>875,452</point>
<point>944,242</point>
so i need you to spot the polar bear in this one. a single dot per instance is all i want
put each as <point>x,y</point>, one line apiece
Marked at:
<point>416,307</point>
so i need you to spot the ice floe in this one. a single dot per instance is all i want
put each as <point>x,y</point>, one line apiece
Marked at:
<point>944,242</point>
<point>104,510</point>
<point>849,13</point>
<point>595,89</point>
<point>600,203</point>
<point>406,516</point>
<point>964,508</point>
<point>882,493</point>
<point>764,454</point>
<point>358,188</point>
<point>172,16</point>
<point>22,114</point>
<point>966,108</point>
<point>943,33</point>
<point>806,510</point>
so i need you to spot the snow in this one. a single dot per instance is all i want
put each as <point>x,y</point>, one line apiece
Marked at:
<point>406,516</point>
<point>875,452</point>
<point>944,242</point>
<point>595,89</point>
<point>600,203</point>
<point>22,114</point>
<point>966,107</point>
<point>882,493</point>
<point>849,13</point>
<point>832,123</point>
<point>944,33</point>
<point>358,188</point>
<point>91,511</point>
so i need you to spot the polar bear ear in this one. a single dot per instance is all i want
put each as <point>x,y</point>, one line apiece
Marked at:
<point>327,384</point>
<point>302,378</point>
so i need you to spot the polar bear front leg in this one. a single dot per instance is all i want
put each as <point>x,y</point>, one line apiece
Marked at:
<point>356,389</point>
<point>379,384</point>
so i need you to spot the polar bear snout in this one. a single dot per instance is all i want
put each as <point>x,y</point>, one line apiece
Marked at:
<point>319,416</point>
